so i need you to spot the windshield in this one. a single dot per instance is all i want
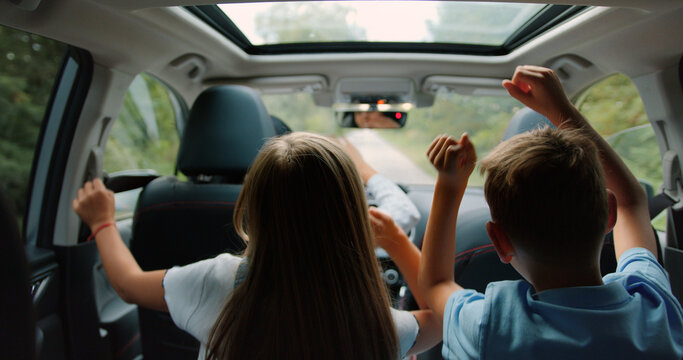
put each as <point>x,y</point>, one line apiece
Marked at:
<point>400,153</point>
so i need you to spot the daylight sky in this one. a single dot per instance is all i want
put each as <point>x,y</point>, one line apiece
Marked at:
<point>382,21</point>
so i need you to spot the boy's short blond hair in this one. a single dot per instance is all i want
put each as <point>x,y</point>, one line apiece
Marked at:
<point>546,190</point>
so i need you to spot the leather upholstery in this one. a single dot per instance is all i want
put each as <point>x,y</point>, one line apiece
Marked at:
<point>476,261</point>
<point>178,223</point>
<point>227,127</point>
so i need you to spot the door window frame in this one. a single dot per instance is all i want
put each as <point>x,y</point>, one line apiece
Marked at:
<point>54,144</point>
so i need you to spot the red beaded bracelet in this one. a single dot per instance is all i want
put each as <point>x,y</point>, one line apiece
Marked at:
<point>94,233</point>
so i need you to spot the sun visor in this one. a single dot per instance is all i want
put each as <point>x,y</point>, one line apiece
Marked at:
<point>278,84</point>
<point>477,86</point>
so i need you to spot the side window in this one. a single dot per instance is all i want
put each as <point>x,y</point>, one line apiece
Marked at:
<point>615,109</point>
<point>144,136</point>
<point>28,68</point>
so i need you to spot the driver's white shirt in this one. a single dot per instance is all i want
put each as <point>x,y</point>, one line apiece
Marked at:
<point>195,295</point>
<point>388,197</point>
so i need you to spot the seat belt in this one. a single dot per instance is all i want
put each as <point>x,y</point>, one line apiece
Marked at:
<point>658,204</point>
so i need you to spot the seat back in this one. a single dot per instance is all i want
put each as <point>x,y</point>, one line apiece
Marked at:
<point>181,222</point>
<point>476,261</point>
<point>525,120</point>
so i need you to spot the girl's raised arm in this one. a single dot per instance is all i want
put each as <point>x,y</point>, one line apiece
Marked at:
<point>95,205</point>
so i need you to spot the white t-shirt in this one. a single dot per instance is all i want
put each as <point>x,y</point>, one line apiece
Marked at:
<point>195,295</point>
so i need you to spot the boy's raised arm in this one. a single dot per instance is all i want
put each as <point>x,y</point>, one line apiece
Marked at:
<point>540,89</point>
<point>455,160</point>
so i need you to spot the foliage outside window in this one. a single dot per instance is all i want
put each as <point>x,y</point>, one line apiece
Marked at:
<point>484,118</point>
<point>28,68</point>
<point>144,136</point>
<point>615,109</point>
<point>300,113</point>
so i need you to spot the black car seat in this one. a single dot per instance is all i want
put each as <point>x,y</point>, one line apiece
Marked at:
<point>180,222</point>
<point>281,128</point>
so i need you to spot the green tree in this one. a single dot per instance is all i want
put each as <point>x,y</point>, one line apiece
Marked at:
<point>477,23</point>
<point>613,105</point>
<point>28,67</point>
<point>144,135</point>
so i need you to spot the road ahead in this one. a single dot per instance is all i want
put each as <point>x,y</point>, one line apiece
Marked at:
<point>386,159</point>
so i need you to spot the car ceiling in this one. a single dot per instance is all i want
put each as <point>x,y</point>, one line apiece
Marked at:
<point>633,37</point>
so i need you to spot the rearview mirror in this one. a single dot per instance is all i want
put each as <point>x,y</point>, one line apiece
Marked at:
<point>372,119</point>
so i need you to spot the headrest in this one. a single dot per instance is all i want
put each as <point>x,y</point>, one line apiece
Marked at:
<point>525,120</point>
<point>280,127</point>
<point>227,127</point>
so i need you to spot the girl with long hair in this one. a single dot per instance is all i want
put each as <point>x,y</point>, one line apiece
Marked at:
<point>308,286</point>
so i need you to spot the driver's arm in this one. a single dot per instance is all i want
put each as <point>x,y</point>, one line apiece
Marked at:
<point>387,196</point>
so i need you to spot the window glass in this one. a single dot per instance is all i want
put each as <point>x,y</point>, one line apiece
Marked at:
<point>28,68</point>
<point>615,109</point>
<point>144,136</point>
<point>480,23</point>
<point>400,153</point>
<point>484,118</point>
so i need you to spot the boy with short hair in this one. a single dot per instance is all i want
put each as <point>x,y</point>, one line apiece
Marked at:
<point>550,211</point>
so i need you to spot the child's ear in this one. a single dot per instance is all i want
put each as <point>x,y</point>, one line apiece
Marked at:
<point>500,241</point>
<point>612,206</point>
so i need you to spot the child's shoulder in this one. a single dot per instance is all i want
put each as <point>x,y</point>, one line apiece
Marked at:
<point>638,265</point>
<point>498,296</point>
<point>220,269</point>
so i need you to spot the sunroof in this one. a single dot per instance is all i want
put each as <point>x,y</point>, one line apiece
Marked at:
<point>436,26</point>
<point>483,23</point>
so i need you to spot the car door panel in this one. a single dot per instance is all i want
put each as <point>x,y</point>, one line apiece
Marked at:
<point>45,289</point>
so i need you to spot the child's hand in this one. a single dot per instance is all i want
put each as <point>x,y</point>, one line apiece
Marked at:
<point>387,232</point>
<point>94,204</point>
<point>540,89</point>
<point>454,159</point>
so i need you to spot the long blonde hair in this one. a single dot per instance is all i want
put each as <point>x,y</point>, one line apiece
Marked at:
<point>313,289</point>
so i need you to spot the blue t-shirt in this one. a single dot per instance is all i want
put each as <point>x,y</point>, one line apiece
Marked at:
<point>633,315</point>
